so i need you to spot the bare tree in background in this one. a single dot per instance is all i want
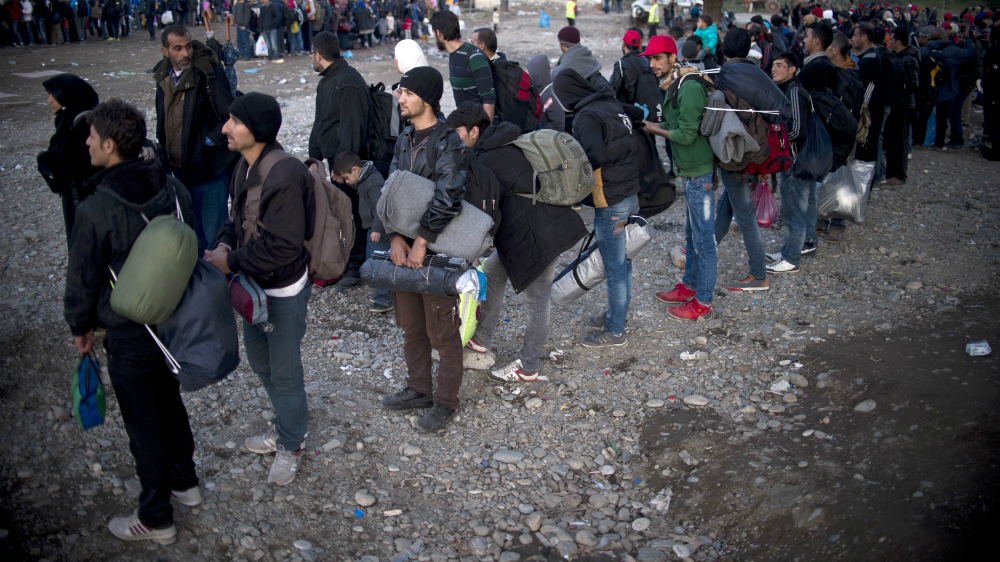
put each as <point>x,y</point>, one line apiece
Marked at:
<point>714,9</point>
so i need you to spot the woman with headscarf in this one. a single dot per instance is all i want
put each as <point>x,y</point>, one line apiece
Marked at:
<point>66,164</point>
<point>408,54</point>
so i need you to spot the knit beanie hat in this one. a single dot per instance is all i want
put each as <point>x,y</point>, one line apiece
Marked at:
<point>569,34</point>
<point>260,113</point>
<point>736,44</point>
<point>689,50</point>
<point>426,82</point>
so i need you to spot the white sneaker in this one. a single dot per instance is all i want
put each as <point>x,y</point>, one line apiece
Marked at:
<point>263,444</point>
<point>285,465</point>
<point>190,497</point>
<point>512,373</point>
<point>781,267</point>
<point>772,256</point>
<point>478,361</point>
<point>130,529</point>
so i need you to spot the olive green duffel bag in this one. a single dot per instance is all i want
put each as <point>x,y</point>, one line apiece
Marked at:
<point>151,283</point>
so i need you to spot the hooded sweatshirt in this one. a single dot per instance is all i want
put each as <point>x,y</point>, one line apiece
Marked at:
<point>580,59</point>
<point>553,116</point>
<point>369,187</point>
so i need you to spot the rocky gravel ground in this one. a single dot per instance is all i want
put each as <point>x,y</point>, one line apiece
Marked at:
<point>803,423</point>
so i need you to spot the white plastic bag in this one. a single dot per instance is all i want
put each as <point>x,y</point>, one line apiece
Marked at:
<point>167,18</point>
<point>844,193</point>
<point>260,49</point>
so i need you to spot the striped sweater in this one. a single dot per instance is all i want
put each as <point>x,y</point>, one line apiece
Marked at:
<point>470,76</point>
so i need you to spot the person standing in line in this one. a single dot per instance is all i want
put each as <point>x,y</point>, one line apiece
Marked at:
<point>428,321</point>
<point>128,190</point>
<point>66,164</point>
<point>468,67</point>
<point>243,16</point>
<point>273,253</point>
<point>192,105</point>
<point>897,124</point>
<point>604,132</point>
<point>683,110</point>
<point>270,20</point>
<point>343,111</point>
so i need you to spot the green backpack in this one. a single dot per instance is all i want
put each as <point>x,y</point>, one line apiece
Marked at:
<point>562,174</point>
<point>151,283</point>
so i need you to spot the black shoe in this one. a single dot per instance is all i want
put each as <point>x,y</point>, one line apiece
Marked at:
<point>808,250</point>
<point>436,419</point>
<point>407,399</point>
<point>350,278</point>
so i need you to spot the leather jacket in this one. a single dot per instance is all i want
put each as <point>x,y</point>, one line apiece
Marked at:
<point>448,169</point>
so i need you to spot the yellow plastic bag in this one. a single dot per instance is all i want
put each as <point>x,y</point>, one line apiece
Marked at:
<point>467,308</point>
<point>295,27</point>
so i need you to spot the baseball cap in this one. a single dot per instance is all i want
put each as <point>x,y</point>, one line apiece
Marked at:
<point>632,38</point>
<point>660,44</point>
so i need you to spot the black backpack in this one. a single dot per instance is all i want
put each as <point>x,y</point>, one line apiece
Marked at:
<point>483,190</point>
<point>935,68</point>
<point>384,129</point>
<point>517,99</point>
<point>647,92</point>
<point>894,74</point>
<point>839,122</point>
<point>82,9</point>
<point>850,90</point>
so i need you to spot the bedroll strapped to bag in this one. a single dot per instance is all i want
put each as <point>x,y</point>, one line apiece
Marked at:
<point>482,189</point>
<point>333,230</point>
<point>158,267</point>
<point>562,174</point>
<point>88,392</point>
<point>201,334</point>
<point>587,270</point>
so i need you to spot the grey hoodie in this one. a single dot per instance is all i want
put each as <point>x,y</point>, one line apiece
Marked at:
<point>580,59</point>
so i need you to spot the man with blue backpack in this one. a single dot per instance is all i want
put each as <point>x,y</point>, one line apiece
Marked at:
<point>128,191</point>
<point>940,59</point>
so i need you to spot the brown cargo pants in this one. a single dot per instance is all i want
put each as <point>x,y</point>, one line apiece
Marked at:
<point>431,322</point>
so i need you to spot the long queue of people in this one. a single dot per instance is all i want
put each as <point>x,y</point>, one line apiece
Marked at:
<point>211,154</point>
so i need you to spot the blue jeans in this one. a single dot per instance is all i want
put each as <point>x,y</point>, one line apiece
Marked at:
<point>271,38</point>
<point>812,215</point>
<point>701,265</point>
<point>795,196</point>
<point>735,202</point>
<point>297,42</point>
<point>382,296</point>
<point>209,202</point>
<point>276,357</point>
<point>609,232</point>
<point>244,43</point>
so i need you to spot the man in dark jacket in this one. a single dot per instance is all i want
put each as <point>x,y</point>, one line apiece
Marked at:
<point>817,71</point>
<point>428,321</point>
<point>270,20</point>
<point>244,40</point>
<point>897,124</point>
<point>128,191</point>
<point>942,92</point>
<point>192,104</point>
<point>749,82</point>
<point>273,253</point>
<point>602,128</point>
<point>528,243</point>
<point>626,76</point>
<point>343,112</point>
<point>871,73</point>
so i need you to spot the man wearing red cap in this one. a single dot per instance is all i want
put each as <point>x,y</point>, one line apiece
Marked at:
<point>632,81</point>
<point>683,108</point>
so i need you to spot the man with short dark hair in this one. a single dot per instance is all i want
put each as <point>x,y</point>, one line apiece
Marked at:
<point>486,40</point>
<point>129,191</point>
<point>468,67</point>
<point>192,103</point>
<point>343,113</point>
<point>270,19</point>
<point>428,321</point>
<point>897,124</point>
<point>272,251</point>
<point>817,71</point>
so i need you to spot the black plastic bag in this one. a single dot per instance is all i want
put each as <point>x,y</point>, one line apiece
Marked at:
<point>201,333</point>
<point>815,159</point>
<point>656,190</point>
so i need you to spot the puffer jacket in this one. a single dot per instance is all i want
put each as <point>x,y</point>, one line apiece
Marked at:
<point>449,172</point>
<point>954,57</point>
<point>106,226</point>
<point>605,133</point>
<point>531,235</point>
<point>206,110</point>
<point>749,82</point>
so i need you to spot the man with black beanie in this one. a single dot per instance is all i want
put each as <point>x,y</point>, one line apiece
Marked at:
<point>343,112</point>
<point>428,321</point>
<point>277,188</point>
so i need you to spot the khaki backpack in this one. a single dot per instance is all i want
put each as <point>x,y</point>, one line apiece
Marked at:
<point>333,233</point>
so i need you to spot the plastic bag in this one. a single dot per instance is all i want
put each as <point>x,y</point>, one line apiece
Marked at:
<point>260,49</point>
<point>543,19</point>
<point>844,193</point>
<point>815,159</point>
<point>764,205</point>
<point>167,18</point>
<point>468,313</point>
<point>87,392</point>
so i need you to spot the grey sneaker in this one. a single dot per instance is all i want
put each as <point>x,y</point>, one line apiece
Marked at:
<point>131,529</point>
<point>190,497</point>
<point>263,444</point>
<point>283,469</point>
<point>604,338</point>
<point>435,419</point>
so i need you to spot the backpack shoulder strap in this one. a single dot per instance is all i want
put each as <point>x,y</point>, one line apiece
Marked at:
<point>252,226</point>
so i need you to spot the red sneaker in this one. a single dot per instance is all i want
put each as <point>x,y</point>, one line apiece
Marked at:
<point>692,310</point>
<point>680,294</point>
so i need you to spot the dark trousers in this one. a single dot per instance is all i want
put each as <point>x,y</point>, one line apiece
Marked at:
<point>159,434</point>
<point>652,29</point>
<point>941,110</point>
<point>571,22</point>
<point>431,322</point>
<point>955,118</point>
<point>894,143</point>
<point>360,248</point>
<point>306,36</point>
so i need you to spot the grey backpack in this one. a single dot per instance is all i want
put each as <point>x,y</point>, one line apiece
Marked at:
<point>563,175</point>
